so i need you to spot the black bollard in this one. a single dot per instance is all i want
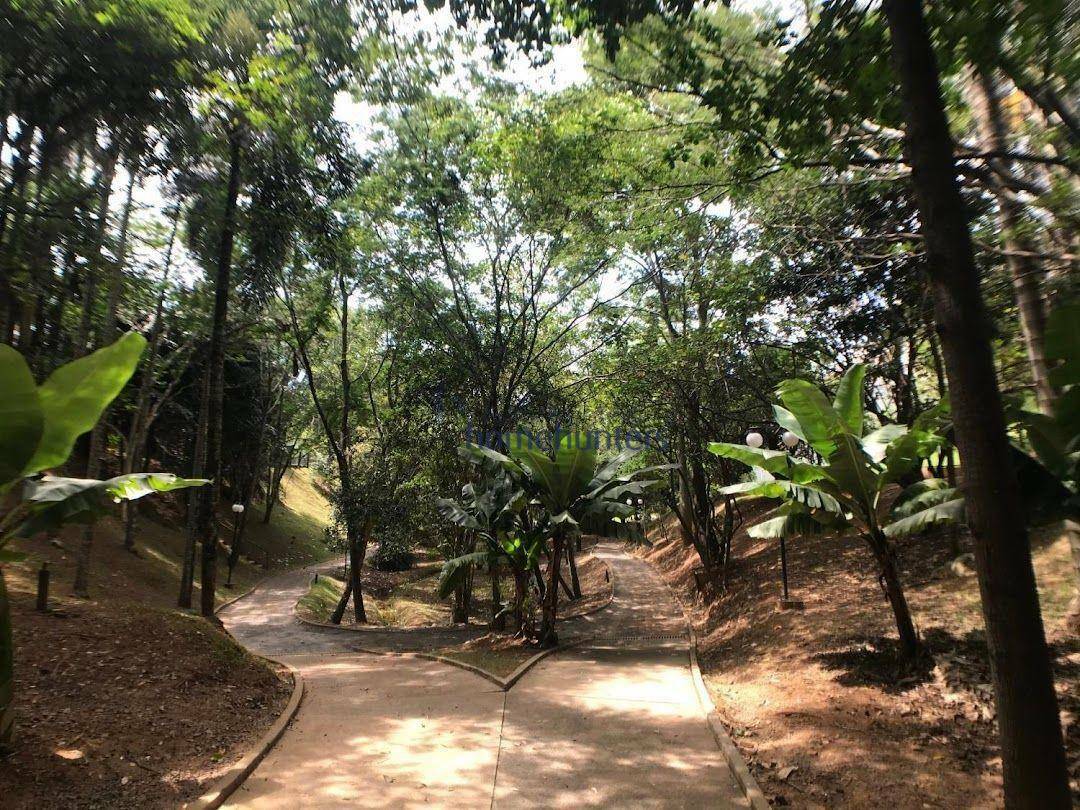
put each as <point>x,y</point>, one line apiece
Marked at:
<point>43,588</point>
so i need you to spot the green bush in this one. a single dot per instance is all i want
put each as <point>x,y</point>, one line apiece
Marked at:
<point>393,555</point>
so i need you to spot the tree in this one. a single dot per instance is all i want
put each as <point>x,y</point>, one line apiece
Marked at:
<point>568,486</point>
<point>1032,748</point>
<point>1033,753</point>
<point>846,492</point>
<point>41,426</point>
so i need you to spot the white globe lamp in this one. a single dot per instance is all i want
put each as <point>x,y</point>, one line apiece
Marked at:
<point>238,508</point>
<point>789,439</point>
<point>754,439</point>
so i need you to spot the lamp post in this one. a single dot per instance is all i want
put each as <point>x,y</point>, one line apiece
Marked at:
<point>790,441</point>
<point>238,510</point>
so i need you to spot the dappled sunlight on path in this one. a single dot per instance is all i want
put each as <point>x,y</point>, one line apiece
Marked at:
<point>382,732</point>
<point>611,721</point>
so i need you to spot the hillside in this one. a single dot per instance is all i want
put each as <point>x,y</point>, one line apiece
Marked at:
<point>816,699</point>
<point>124,701</point>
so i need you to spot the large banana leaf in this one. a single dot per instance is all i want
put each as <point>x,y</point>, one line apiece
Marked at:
<point>56,501</point>
<point>795,520</point>
<point>922,494</point>
<point>851,469</point>
<point>817,418</point>
<point>776,462</point>
<point>608,470</point>
<point>575,462</point>
<point>950,511</point>
<point>1062,344</point>
<point>453,512</point>
<point>1045,495</point>
<point>486,457</point>
<point>876,443</point>
<point>77,393</point>
<point>848,401</point>
<point>456,570</point>
<point>808,495</point>
<point>21,419</point>
<point>905,454</point>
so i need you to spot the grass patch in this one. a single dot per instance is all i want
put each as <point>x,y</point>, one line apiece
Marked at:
<point>321,599</point>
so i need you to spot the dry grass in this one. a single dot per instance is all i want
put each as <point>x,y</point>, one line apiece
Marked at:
<point>497,654</point>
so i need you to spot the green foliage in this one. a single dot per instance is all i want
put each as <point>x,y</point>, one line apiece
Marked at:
<point>76,394</point>
<point>53,502</point>
<point>393,555</point>
<point>1049,474</point>
<point>55,414</point>
<point>844,492</point>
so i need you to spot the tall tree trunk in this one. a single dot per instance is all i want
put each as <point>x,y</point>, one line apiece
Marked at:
<point>105,336</point>
<point>985,93</point>
<point>1033,754</point>
<point>139,428</point>
<point>216,370</point>
<point>88,293</point>
<point>195,498</point>
<point>575,581</point>
<point>343,602</point>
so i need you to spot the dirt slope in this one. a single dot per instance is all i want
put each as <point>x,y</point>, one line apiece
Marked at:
<point>817,700</point>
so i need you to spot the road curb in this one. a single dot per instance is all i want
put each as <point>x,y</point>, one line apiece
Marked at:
<point>739,769</point>
<point>226,785</point>
<point>734,758</point>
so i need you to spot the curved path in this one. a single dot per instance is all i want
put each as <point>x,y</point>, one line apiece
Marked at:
<point>611,722</point>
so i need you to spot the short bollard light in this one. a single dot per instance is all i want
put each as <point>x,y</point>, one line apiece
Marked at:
<point>790,440</point>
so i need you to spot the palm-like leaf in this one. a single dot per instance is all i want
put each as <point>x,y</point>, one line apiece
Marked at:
<point>794,520</point>
<point>55,501</point>
<point>774,462</point>
<point>21,420</point>
<point>456,570</point>
<point>848,402</point>
<point>818,420</point>
<point>946,511</point>
<point>806,494</point>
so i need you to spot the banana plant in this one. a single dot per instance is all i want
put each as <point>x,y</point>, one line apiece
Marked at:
<point>566,485</point>
<point>845,492</point>
<point>489,510</point>
<point>39,425</point>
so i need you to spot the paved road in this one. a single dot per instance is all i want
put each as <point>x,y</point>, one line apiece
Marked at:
<point>612,722</point>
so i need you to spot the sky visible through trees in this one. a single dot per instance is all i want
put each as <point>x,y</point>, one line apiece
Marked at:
<point>817,253</point>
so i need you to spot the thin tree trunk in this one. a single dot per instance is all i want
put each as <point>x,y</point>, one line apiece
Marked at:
<point>1025,271</point>
<point>549,637</point>
<point>894,592</point>
<point>90,278</point>
<point>521,584</point>
<point>343,602</point>
<point>213,416</point>
<point>195,500</point>
<point>1033,754</point>
<point>97,434</point>
<point>498,618</point>
<point>274,492</point>
<point>575,581</point>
